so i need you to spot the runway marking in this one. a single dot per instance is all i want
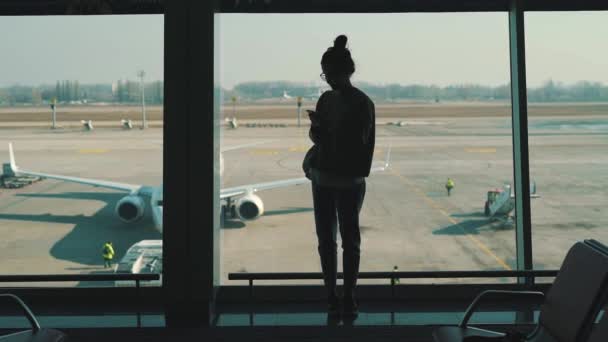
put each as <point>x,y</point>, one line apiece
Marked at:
<point>264,151</point>
<point>299,148</point>
<point>93,150</point>
<point>302,148</point>
<point>439,208</point>
<point>480,150</point>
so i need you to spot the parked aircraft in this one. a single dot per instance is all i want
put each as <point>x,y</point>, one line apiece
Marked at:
<point>501,202</point>
<point>286,96</point>
<point>239,202</point>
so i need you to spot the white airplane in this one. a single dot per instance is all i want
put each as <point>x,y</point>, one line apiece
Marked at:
<point>501,202</point>
<point>239,201</point>
<point>286,96</point>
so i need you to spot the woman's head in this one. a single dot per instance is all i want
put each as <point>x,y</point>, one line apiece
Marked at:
<point>337,64</point>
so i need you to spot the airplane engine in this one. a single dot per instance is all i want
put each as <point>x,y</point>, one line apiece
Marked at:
<point>249,207</point>
<point>130,208</point>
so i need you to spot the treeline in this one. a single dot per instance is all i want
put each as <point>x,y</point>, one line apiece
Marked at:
<point>550,91</point>
<point>72,92</point>
<point>128,92</point>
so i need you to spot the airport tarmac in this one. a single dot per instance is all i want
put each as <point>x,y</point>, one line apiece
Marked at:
<point>407,218</point>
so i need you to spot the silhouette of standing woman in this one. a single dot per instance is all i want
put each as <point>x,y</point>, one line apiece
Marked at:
<point>343,131</point>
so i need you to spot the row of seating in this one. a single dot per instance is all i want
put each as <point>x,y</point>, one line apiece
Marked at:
<point>569,310</point>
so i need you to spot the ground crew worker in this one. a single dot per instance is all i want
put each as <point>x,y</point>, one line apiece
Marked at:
<point>108,254</point>
<point>449,185</point>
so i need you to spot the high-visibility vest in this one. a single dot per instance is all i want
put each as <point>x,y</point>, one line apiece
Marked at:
<point>108,251</point>
<point>450,183</point>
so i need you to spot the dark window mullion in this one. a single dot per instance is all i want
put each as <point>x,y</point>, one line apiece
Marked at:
<point>519,106</point>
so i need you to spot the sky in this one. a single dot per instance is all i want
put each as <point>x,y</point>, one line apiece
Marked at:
<point>411,48</point>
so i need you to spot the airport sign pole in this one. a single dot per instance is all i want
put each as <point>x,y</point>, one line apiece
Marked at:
<point>299,109</point>
<point>144,123</point>
<point>53,105</point>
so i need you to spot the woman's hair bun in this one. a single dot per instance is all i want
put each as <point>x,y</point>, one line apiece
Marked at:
<point>340,42</point>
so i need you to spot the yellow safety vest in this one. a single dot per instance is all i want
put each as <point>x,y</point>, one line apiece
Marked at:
<point>108,251</point>
<point>450,184</point>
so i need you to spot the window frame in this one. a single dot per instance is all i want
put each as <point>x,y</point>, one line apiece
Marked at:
<point>192,254</point>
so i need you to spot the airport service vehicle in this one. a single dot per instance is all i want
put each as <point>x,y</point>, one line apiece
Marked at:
<point>145,256</point>
<point>238,202</point>
<point>501,202</point>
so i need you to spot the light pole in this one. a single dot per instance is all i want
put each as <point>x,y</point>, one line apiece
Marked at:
<point>234,106</point>
<point>141,74</point>
<point>53,105</point>
<point>299,109</point>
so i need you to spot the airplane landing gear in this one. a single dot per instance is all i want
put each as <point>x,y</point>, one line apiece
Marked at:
<point>228,210</point>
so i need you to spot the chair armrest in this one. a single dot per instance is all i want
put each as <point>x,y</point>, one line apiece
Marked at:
<point>600,247</point>
<point>26,311</point>
<point>477,301</point>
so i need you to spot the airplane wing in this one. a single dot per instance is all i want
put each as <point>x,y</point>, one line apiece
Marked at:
<point>251,188</point>
<point>242,190</point>
<point>94,182</point>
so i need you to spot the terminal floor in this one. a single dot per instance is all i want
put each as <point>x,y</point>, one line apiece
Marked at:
<point>378,321</point>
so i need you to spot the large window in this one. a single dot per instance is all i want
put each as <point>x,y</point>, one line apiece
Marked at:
<point>568,126</point>
<point>442,95</point>
<point>81,97</point>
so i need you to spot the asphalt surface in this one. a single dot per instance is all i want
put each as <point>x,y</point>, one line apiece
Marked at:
<point>407,218</point>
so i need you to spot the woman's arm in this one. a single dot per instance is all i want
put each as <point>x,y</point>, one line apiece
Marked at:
<point>317,130</point>
<point>315,134</point>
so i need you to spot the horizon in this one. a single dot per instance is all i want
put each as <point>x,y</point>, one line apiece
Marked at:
<point>311,84</point>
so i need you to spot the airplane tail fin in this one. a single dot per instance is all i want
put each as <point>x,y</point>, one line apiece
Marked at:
<point>14,167</point>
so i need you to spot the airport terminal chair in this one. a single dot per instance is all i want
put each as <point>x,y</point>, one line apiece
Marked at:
<point>600,331</point>
<point>36,333</point>
<point>569,308</point>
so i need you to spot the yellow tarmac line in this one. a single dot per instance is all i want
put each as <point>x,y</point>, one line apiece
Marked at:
<point>264,151</point>
<point>299,148</point>
<point>480,150</point>
<point>93,151</point>
<point>435,205</point>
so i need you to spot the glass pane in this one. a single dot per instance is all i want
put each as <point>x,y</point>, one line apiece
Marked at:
<point>568,126</point>
<point>72,104</point>
<point>440,85</point>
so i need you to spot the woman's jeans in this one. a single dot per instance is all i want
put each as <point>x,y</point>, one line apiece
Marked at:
<point>338,207</point>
